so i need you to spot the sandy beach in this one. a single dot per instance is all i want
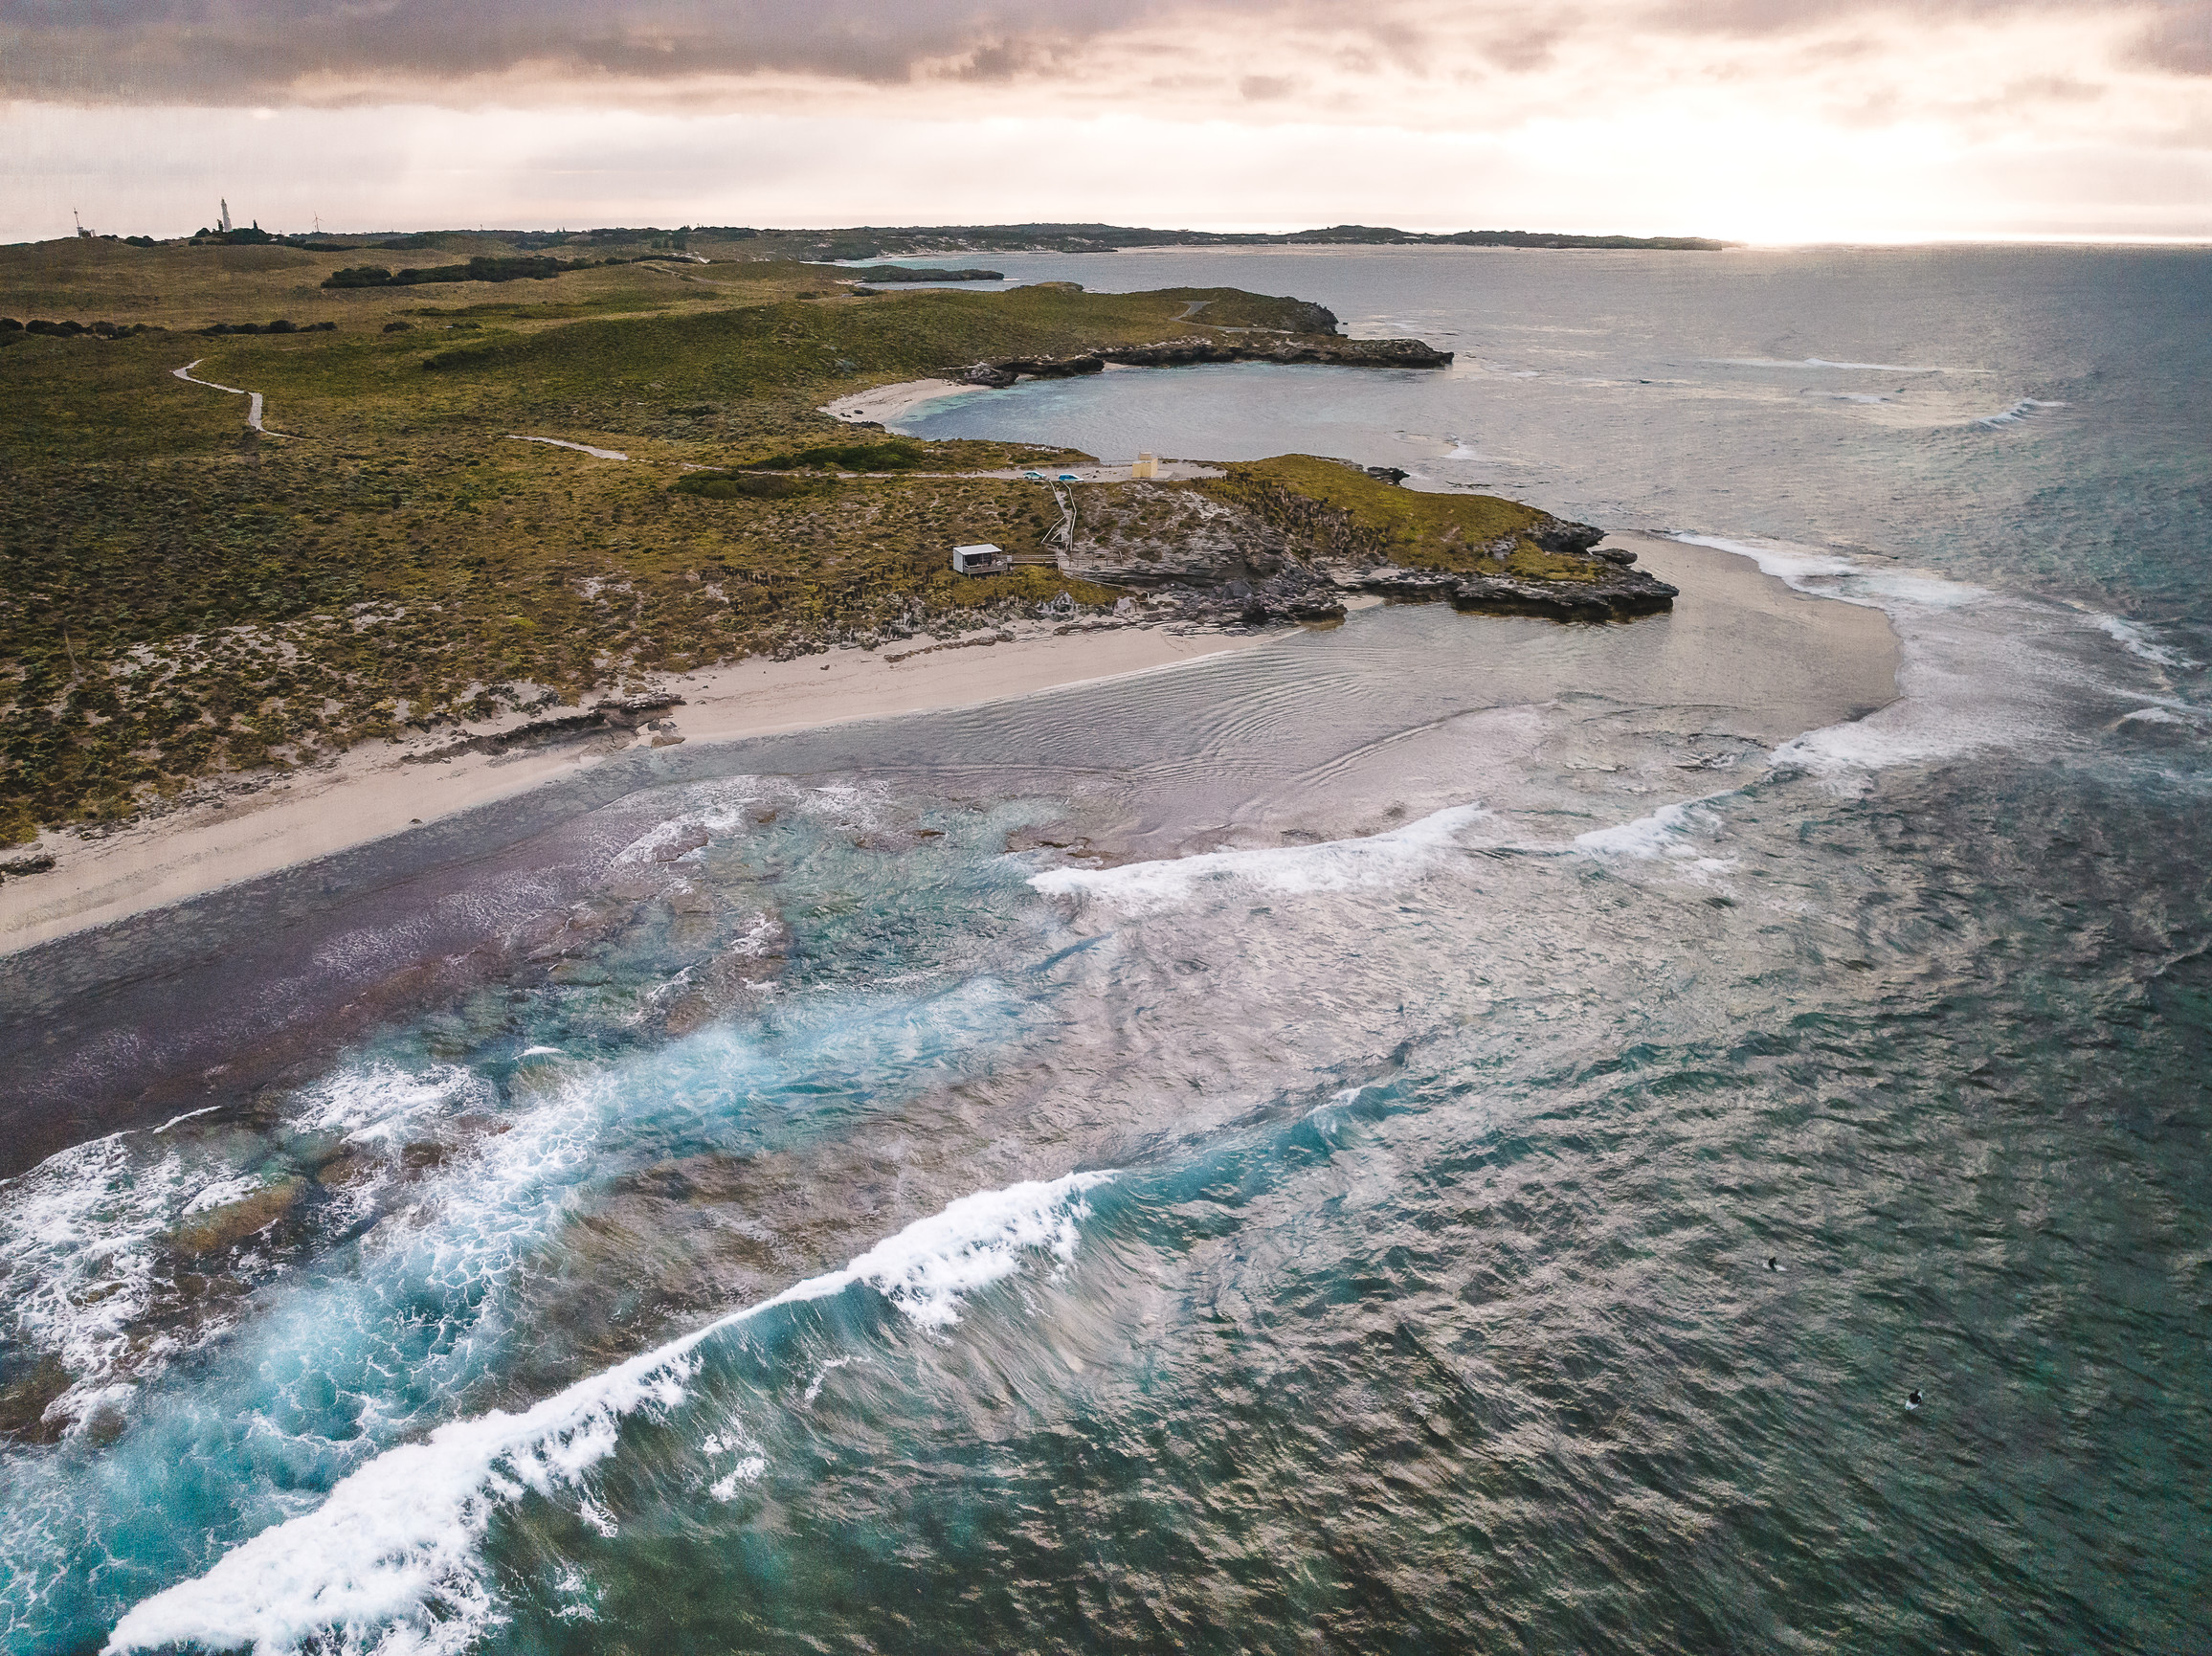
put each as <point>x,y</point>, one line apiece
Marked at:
<point>1738,636</point>
<point>884,403</point>
<point>384,788</point>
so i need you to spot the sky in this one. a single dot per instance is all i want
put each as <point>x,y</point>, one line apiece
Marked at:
<point>1762,120</point>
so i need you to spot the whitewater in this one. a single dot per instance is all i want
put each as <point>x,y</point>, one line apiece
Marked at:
<point>1443,1131</point>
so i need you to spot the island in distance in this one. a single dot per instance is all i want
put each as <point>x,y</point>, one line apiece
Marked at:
<point>260,515</point>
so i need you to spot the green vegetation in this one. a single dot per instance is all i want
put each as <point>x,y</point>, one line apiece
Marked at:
<point>895,455</point>
<point>1332,510</point>
<point>485,267</point>
<point>181,598</point>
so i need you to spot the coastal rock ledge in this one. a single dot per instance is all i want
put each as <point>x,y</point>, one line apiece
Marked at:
<point>1322,349</point>
<point>1283,539</point>
<point>1615,594</point>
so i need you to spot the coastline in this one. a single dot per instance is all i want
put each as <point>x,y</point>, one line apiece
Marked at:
<point>882,404</point>
<point>385,788</point>
<point>1806,661</point>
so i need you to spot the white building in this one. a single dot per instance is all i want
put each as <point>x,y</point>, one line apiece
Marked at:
<point>981,560</point>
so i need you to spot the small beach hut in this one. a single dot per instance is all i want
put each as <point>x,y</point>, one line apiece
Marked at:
<point>1147,466</point>
<point>981,560</point>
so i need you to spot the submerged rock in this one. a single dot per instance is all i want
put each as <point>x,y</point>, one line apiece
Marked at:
<point>233,1221</point>
<point>24,1402</point>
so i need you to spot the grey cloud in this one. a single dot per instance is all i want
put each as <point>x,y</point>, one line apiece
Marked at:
<point>2180,40</point>
<point>267,51</point>
<point>2176,37</point>
<point>224,50</point>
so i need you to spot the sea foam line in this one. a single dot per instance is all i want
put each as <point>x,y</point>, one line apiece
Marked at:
<point>1824,362</point>
<point>1661,832</point>
<point>390,1558</point>
<point>1333,865</point>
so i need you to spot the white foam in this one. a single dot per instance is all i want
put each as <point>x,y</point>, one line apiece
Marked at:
<point>205,1110</point>
<point>84,1232</point>
<point>720,808</point>
<point>377,1103</point>
<point>815,1385</point>
<point>2028,408</point>
<point>1798,568</point>
<point>745,1472</point>
<point>2137,642</point>
<point>1661,833</point>
<point>388,1561</point>
<point>2152,716</point>
<point>1822,362</point>
<point>1978,669</point>
<point>1333,866</point>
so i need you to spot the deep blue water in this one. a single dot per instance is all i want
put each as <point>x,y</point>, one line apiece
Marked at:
<point>1486,1167</point>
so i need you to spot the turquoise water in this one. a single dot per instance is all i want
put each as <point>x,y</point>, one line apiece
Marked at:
<point>1482,1162</point>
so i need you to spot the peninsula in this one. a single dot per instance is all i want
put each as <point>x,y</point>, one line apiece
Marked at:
<point>263,510</point>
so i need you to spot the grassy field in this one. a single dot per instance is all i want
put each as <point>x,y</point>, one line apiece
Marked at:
<point>181,598</point>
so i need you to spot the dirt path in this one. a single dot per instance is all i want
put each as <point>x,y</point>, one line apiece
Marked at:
<point>253,404</point>
<point>563,443</point>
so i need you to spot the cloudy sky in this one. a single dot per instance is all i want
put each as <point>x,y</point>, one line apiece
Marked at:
<point>1773,121</point>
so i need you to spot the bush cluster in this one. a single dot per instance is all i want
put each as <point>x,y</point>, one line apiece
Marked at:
<point>899,455</point>
<point>280,325</point>
<point>485,267</point>
<point>74,329</point>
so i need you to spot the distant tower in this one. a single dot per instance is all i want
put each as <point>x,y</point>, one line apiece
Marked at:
<point>224,223</point>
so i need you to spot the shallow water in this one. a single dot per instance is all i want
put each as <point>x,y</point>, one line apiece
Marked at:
<point>1448,1132</point>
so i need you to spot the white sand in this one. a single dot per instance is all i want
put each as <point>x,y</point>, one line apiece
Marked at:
<point>370,793</point>
<point>1738,637</point>
<point>887,402</point>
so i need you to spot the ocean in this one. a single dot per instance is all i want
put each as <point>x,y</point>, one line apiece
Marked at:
<point>1441,1134</point>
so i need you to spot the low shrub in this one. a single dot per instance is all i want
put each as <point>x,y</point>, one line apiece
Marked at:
<point>899,455</point>
<point>745,488</point>
<point>280,325</point>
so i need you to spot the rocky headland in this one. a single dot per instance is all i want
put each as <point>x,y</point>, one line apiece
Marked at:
<point>1287,539</point>
<point>1315,347</point>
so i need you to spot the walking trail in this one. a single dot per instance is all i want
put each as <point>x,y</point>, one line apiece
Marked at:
<point>253,404</point>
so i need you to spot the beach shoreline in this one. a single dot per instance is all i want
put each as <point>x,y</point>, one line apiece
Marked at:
<point>882,404</point>
<point>385,788</point>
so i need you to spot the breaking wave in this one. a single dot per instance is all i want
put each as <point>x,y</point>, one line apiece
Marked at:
<point>390,1561</point>
<point>2028,408</point>
<point>1824,362</point>
<point>1333,866</point>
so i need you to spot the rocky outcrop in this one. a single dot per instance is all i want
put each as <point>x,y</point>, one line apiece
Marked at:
<point>1005,370</point>
<point>1324,348</point>
<point>593,721</point>
<point>1150,535</point>
<point>1612,593</point>
<point>1291,558</point>
<point>1292,348</point>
